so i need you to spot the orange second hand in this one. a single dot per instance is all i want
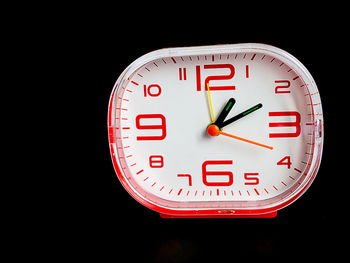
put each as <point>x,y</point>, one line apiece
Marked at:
<point>245,140</point>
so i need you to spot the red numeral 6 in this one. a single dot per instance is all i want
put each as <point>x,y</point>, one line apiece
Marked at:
<point>216,174</point>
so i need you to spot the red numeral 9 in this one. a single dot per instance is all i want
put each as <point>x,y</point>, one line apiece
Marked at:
<point>161,127</point>
<point>206,173</point>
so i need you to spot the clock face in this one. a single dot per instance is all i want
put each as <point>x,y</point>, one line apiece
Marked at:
<point>220,129</point>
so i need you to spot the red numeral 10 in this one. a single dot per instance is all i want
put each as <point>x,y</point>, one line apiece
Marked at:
<point>152,90</point>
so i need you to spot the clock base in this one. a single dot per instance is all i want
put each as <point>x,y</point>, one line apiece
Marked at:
<point>267,215</point>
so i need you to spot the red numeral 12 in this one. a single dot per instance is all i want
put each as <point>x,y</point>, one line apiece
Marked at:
<point>215,77</point>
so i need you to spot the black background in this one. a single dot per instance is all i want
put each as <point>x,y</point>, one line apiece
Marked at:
<point>97,219</point>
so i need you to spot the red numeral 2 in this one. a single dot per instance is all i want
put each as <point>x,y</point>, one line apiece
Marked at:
<point>282,88</point>
<point>215,77</point>
<point>295,124</point>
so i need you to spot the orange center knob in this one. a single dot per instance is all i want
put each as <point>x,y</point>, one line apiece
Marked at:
<point>213,130</point>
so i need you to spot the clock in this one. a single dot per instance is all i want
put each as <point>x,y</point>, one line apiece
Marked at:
<point>216,131</point>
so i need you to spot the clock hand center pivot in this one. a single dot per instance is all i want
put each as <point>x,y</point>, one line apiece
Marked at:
<point>213,130</point>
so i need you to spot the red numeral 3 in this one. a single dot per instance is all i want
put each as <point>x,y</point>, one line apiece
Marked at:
<point>295,124</point>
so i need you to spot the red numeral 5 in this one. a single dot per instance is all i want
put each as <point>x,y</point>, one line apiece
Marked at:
<point>251,178</point>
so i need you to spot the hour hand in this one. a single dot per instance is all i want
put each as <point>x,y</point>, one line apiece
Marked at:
<point>219,121</point>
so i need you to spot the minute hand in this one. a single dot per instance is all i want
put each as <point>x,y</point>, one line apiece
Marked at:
<point>241,115</point>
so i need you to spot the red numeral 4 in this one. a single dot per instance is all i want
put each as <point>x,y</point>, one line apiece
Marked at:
<point>285,161</point>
